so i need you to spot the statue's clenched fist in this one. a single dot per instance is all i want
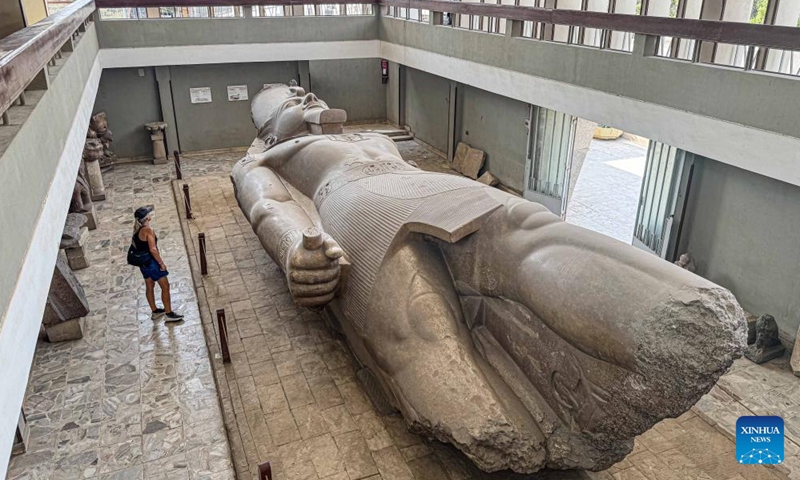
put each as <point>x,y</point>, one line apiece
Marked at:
<point>312,268</point>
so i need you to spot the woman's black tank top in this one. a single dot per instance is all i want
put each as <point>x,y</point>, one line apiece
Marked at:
<point>141,245</point>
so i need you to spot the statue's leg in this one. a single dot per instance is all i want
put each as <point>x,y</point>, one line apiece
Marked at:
<point>615,339</point>
<point>423,351</point>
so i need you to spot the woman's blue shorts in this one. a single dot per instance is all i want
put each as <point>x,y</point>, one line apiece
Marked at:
<point>152,271</point>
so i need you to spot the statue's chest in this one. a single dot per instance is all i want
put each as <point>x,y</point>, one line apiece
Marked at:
<point>370,212</point>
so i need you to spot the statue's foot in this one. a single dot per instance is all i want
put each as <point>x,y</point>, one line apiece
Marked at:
<point>423,352</point>
<point>446,395</point>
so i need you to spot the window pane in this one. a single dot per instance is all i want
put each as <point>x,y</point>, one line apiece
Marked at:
<point>785,61</point>
<point>114,13</point>
<point>359,9</point>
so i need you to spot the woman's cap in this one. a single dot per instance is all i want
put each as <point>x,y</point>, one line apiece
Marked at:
<point>142,212</point>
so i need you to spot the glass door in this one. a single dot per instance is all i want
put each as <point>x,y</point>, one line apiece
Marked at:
<point>551,136</point>
<point>665,186</point>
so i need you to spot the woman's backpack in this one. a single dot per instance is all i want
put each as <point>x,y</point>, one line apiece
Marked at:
<point>138,258</point>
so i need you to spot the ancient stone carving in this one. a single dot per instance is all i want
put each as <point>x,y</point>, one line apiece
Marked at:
<point>92,153</point>
<point>73,239</point>
<point>156,130</point>
<point>66,304</point>
<point>767,345</point>
<point>99,125</point>
<point>81,201</point>
<point>489,323</point>
<point>686,262</point>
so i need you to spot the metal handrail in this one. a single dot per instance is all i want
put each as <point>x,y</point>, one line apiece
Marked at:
<point>218,3</point>
<point>25,53</point>
<point>771,36</point>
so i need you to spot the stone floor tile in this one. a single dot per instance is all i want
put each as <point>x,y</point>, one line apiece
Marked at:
<point>120,456</point>
<point>427,468</point>
<point>282,427</point>
<point>325,392</point>
<point>373,431</point>
<point>310,421</point>
<point>630,474</point>
<point>163,443</point>
<point>131,473</point>
<point>297,391</point>
<point>272,398</point>
<point>339,420</point>
<point>391,465</point>
<point>357,460</point>
<point>175,467</point>
<point>325,455</point>
<point>355,400</point>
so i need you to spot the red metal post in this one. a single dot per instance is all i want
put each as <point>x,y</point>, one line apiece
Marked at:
<point>223,338</point>
<point>177,158</point>
<point>264,471</point>
<point>201,239</point>
<point>187,202</point>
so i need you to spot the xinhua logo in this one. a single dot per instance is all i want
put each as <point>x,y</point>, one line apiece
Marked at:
<point>759,440</point>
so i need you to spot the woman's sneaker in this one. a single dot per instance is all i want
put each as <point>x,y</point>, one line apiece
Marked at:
<point>157,313</point>
<point>173,317</point>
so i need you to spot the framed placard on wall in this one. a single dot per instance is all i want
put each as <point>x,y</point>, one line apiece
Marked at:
<point>200,94</point>
<point>237,93</point>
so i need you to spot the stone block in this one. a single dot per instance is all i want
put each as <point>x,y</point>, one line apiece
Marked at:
<point>66,299</point>
<point>461,153</point>
<point>76,257</point>
<point>488,179</point>
<point>74,247</point>
<point>473,163</point>
<point>74,230</point>
<point>64,331</point>
<point>468,160</point>
<point>98,197</point>
<point>91,218</point>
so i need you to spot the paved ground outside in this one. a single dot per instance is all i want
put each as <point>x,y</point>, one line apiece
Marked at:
<point>607,192</point>
<point>149,406</point>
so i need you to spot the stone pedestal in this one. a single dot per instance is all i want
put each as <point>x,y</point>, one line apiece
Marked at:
<point>66,304</point>
<point>64,331</point>
<point>91,218</point>
<point>73,240</point>
<point>21,437</point>
<point>156,130</point>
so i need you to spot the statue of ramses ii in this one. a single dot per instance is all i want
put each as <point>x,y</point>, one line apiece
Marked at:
<point>489,323</point>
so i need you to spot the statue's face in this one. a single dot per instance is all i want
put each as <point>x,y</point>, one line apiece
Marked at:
<point>289,116</point>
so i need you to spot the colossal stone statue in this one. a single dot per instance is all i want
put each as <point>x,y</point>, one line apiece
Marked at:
<point>489,323</point>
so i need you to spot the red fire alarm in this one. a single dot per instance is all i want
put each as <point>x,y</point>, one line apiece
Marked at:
<point>384,70</point>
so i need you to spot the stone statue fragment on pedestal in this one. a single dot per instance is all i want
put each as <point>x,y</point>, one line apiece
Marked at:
<point>92,153</point>
<point>66,305</point>
<point>156,130</point>
<point>81,201</point>
<point>99,125</point>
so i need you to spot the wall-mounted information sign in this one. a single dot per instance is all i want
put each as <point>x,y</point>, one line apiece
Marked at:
<point>200,94</point>
<point>237,93</point>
